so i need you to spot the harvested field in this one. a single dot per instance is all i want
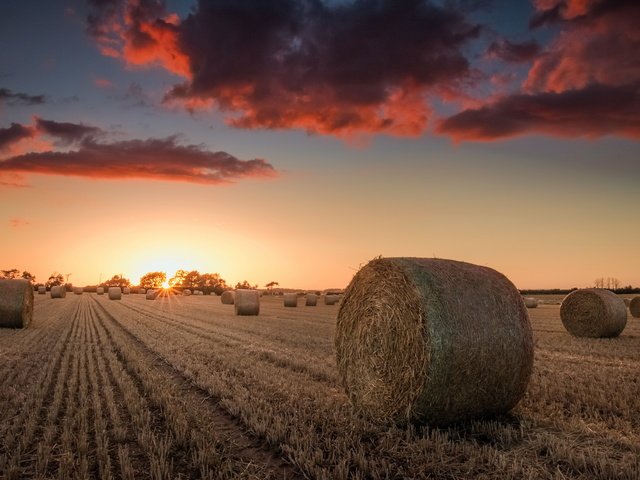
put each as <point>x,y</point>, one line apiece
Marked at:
<point>181,387</point>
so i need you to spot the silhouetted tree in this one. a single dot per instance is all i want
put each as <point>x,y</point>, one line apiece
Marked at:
<point>270,286</point>
<point>28,276</point>
<point>117,281</point>
<point>191,279</point>
<point>178,279</point>
<point>245,286</point>
<point>212,282</point>
<point>55,279</point>
<point>13,273</point>
<point>153,280</point>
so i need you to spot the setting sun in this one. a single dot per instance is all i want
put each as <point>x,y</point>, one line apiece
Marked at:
<point>166,285</point>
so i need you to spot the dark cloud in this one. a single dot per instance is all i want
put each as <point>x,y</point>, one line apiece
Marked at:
<point>153,159</point>
<point>66,132</point>
<point>512,52</point>
<point>576,11</point>
<point>13,134</point>
<point>17,98</point>
<point>593,111</point>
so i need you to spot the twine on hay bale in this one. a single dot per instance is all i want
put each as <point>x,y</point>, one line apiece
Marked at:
<point>530,302</point>
<point>78,290</point>
<point>115,293</point>
<point>634,307</point>
<point>100,290</point>
<point>311,300</point>
<point>42,290</point>
<point>58,291</point>
<point>331,299</point>
<point>227,297</point>
<point>247,302</point>
<point>593,312</point>
<point>16,303</point>
<point>151,294</point>
<point>410,345</point>
<point>290,299</point>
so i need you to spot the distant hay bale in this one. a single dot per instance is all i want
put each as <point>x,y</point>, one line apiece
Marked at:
<point>197,292</point>
<point>530,302</point>
<point>42,290</point>
<point>593,312</point>
<point>432,340</point>
<point>16,303</point>
<point>100,290</point>
<point>126,291</point>
<point>290,299</point>
<point>142,291</point>
<point>115,293</point>
<point>331,299</point>
<point>227,297</point>
<point>58,291</point>
<point>151,294</point>
<point>78,290</point>
<point>186,292</point>
<point>311,300</point>
<point>634,307</point>
<point>247,302</point>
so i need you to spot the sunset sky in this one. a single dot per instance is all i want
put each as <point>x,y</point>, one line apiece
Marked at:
<point>293,141</point>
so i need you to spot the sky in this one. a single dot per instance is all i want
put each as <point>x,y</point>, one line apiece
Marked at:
<point>295,140</point>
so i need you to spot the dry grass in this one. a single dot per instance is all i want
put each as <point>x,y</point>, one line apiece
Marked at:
<point>182,388</point>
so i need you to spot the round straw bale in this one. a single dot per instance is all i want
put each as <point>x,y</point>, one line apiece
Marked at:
<point>78,290</point>
<point>42,290</point>
<point>530,302</point>
<point>593,312</point>
<point>311,300</point>
<point>115,293</point>
<point>126,291</point>
<point>16,303</point>
<point>100,290</point>
<point>142,291</point>
<point>197,292</point>
<point>331,299</point>
<point>290,299</point>
<point>186,292</point>
<point>247,302</point>
<point>634,307</point>
<point>227,297</point>
<point>432,340</point>
<point>58,291</point>
<point>151,294</point>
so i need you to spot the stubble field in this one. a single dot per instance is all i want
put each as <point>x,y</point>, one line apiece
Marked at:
<point>180,387</point>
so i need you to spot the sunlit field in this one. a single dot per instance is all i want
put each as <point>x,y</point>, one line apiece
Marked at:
<point>180,387</point>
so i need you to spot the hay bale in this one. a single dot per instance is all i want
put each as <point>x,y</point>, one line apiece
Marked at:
<point>634,307</point>
<point>530,302</point>
<point>58,291</point>
<point>151,294</point>
<point>311,300</point>
<point>126,291</point>
<point>227,297</point>
<point>331,299</point>
<point>290,299</point>
<point>197,292</point>
<point>186,292</point>
<point>78,290</point>
<point>593,312</point>
<point>42,290</point>
<point>100,290</point>
<point>247,302</point>
<point>16,303</point>
<point>115,293</point>
<point>432,340</point>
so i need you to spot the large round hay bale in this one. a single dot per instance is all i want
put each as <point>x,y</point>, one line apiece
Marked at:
<point>16,303</point>
<point>331,299</point>
<point>227,297</point>
<point>126,291</point>
<point>530,302</point>
<point>58,291</point>
<point>151,294</point>
<point>78,290</point>
<point>432,340</point>
<point>311,300</point>
<point>247,302</point>
<point>100,290</point>
<point>42,290</point>
<point>186,292</point>
<point>593,312</point>
<point>634,307</point>
<point>115,293</point>
<point>290,299</point>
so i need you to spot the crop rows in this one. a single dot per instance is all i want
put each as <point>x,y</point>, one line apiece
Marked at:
<point>181,388</point>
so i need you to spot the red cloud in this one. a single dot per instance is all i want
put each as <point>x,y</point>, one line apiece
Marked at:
<point>103,82</point>
<point>13,134</point>
<point>152,159</point>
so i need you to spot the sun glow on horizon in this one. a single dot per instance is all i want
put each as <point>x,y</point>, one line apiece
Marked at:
<point>166,285</point>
